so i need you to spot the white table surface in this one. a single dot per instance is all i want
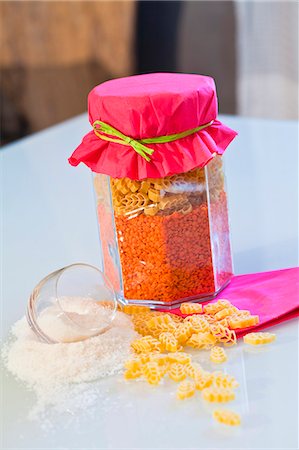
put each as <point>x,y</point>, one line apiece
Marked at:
<point>49,221</point>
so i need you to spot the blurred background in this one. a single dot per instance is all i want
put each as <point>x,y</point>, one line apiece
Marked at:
<point>54,52</point>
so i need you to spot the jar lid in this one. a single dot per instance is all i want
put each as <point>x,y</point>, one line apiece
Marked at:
<point>146,107</point>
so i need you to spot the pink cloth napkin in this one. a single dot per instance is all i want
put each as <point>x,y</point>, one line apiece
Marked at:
<point>273,296</point>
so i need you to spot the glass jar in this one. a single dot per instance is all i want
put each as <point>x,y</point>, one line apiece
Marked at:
<point>155,150</point>
<point>166,240</point>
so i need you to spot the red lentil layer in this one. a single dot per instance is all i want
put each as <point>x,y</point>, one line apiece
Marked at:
<point>166,258</point>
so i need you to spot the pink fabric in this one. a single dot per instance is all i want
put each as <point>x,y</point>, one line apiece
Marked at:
<point>146,106</point>
<point>273,296</point>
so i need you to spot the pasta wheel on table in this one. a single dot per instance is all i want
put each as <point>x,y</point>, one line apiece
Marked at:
<point>190,308</point>
<point>199,324</point>
<point>168,341</point>
<point>183,332</point>
<point>186,389</point>
<point>213,308</point>
<point>227,417</point>
<point>160,358</point>
<point>179,357</point>
<point>218,355</point>
<point>202,380</point>
<point>225,312</point>
<point>131,374</point>
<point>161,323</point>
<point>146,344</point>
<point>176,372</point>
<point>202,340</point>
<point>192,369</point>
<point>152,373</point>
<point>223,334</point>
<point>239,321</point>
<point>215,394</point>
<point>259,338</point>
<point>223,380</point>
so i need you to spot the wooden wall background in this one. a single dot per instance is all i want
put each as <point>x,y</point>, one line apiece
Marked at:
<point>53,53</point>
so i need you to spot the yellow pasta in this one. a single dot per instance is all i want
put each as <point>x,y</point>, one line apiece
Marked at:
<point>190,308</point>
<point>259,338</point>
<point>215,394</point>
<point>179,357</point>
<point>176,372</point>
<point>131,374</point>
<point>168,342</point>
<point>202,380</point>
<point>213,308</point>
<point>239,321</point>
<point>152,373</point>
<point>199,324</point>
<point>223,334</point>
<point>161,323</point>
<point>223,380</point>
<point>218,355</point>
<point>146,344</point>
<point>192,369</point>
<point>201,340</point>
<point>225,312</point>
<point>183,332</point>
<point>186,389</point>
<point>227,417</point>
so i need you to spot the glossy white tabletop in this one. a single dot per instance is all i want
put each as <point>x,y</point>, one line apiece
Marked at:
<point>49,221</point>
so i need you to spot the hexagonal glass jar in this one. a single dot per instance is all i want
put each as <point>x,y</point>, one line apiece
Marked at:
<point>165,241</point>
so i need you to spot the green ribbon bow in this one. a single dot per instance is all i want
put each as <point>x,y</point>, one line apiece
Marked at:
<point>104,131</point>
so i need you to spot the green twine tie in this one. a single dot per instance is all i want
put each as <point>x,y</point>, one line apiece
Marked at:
<point>104,131</point>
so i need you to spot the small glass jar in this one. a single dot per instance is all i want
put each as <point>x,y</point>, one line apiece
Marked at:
<point>165,241</point>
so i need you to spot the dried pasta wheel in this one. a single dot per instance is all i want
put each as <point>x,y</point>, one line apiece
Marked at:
<point>199,323</point>
<point>186,389</point>
<point>215,394</point>
<point>176,372</point>
<point>202,380</point>
<point>133,364</point>
<point>144,187</point>
<point>186,209</point>
<point>177,319</point>
<point>168,341</point>
<point>183,332</point>
<point>161,323</point>
<point>152,373</point>
<point>209,318</point>
<point>218,355</point>
<point>192,369</point>
<point>160,359</point>
<point>179,357</point>
<point>134,309</point>
<point>223,380</point>
<point>225,312</point>
<point>174,202</point>
<point>146,344</point>
<point>238,321</point>
<point>227,417</point>
<point>213,308</point>
<point>131,374</point>
<point>201,340</point>
<point>223,334</point>
<point>154,195</point>
<point>151,210</point>
<point>259,338</point>
<point>190,308</point>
